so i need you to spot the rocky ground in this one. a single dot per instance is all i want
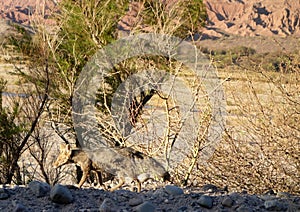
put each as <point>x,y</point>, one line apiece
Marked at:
<point>39,196</point>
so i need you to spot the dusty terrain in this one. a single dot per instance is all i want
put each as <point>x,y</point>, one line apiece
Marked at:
<point>269,25</point>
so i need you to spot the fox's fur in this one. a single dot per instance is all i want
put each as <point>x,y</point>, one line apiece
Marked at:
<point>150,168</point>
<point>79,157</point>
<point>127,163</point>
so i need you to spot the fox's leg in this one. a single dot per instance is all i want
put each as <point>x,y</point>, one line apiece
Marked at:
<point>95,178</point>
<point>83,178</point>
<point>86,169</point>
<point>121,182</point>
<point>100,179</point>
<point>139,185</point>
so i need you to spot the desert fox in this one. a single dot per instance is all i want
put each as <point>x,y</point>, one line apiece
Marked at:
<point>146,168</point>
<point>127,163</point>
<point>79,157</point>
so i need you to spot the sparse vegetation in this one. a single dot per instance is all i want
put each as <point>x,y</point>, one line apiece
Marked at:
<point>260,147</point>
<point>261,143</point>
<point>19,117</point>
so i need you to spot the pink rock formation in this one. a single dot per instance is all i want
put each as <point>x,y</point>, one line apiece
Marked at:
<point>23,11</point>
<point>253,17</point>
<point>238,17</point>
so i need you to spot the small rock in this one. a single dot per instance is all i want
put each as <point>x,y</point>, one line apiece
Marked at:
<point>107,206</point>
<point>205,201</point>
<point>183,208</point>
<point>227,202</point>
<point>61,194</point>
<point>145,207</point>
<point>222,210</point>
<point>197,209</point>
<point>122,192</point>
<point>173,190</point>
<point>234,194</point>
<point>135,201</point>
<point>4,194</point>
<point>243,208</point>
<point>267,197</point>
<point>196,195</point>
<point>296,200</point>
<point>193,204</point>
<point>40,189</point>
<point>159,193</point>
<point>122,199</point>
<point>283,194</point>
<point>210,188</point>
<point>20,208</point>
<point>274,205</point>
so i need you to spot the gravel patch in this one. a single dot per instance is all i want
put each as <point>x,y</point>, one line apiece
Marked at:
<point>70,198</point>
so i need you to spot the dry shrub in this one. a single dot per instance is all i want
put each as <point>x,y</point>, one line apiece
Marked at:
<point>261,147</point>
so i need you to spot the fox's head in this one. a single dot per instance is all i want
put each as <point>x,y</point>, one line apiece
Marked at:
<point>64,155</point>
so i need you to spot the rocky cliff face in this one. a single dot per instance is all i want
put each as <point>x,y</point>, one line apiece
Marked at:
<point>253,17</point>
<point>23,11</point>
<point>239,17</point>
